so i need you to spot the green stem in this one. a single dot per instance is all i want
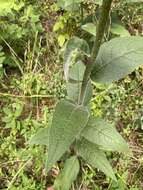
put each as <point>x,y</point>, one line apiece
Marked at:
<point>106,7</point>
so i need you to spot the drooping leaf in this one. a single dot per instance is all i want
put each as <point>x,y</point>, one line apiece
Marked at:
<point>90,28</point>
<point>94,156</point>
<point>104,134</point>
<point>74,47</point>
<point>117,27</point>
<point>41,138</point>
<point>74,90</point>
<point>68,175</point>
<point>68,121</point>
<point>120,30</point>
<point>117,58</point>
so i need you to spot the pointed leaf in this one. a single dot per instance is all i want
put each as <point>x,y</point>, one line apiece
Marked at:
<point>68,175</point>
<point>117,58</point>
<point>68,121</point>
<point>41,138</point>
<point>95,157</point>
<point>105,135</point>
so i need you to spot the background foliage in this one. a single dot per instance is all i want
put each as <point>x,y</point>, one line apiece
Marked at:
<point>32,82</point>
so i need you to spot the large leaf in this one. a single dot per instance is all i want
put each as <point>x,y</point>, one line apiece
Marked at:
<point>74,47</point>
<point>94,156</point>
<point>68,121</point>
<point>68,175</point>
<point>74,90</point>
<point>76,71</point>
<point>117,58</point>
<point>105,135</point>
<point>41,138</point>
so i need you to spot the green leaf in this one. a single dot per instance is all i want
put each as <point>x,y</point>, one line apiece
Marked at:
<point>117,58</point>
<point>68,122</point>
<point>74,90</point>
<point>68,175</point>
<point>41,138</point>
<point>104,134</point>
<point>6,5</point>
<point>76,71</point>
<point>120,30</point>
<point>90,28</point>
<point>117,27</point>
<point>99,2</point>
<point>70,5</point>
<point>73,49</point>
<point>95,157</point>
<point>134,1</point>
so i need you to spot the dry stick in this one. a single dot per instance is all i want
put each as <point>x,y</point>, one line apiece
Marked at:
<point>106,7</point>
<point>25,96</point>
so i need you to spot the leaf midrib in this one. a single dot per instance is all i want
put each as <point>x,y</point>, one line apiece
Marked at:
<point>118,57</point>
<point>100,131</point>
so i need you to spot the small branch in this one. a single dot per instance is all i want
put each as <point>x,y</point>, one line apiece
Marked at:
<point>106,7</point>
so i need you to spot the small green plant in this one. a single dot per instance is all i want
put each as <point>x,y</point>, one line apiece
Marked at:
<point>12,113</point>
<point>19,23</point>
<point>74,129</point>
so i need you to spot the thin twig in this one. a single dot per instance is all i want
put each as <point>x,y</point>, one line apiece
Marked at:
<point>15,176</point>
<point>24,96</point>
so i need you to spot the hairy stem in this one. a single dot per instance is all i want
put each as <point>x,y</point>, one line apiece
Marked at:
<point>106,7</point>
